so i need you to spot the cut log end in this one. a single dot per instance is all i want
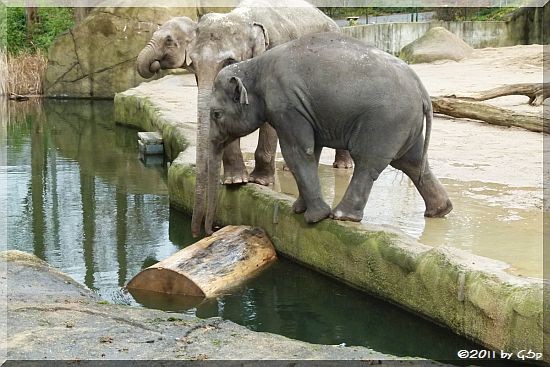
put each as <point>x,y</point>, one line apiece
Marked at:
<point>211,266</point>
<point>161,280</point>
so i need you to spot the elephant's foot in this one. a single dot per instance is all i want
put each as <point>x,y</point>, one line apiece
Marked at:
<point>233,175</point>
<point>317,212</point>
<point>262,176</point>
<point>342,159</point>
<point>299,205</point>
<point>440,211</point>
<point>342,213</point>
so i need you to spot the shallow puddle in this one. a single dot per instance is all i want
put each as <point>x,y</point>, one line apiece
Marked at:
<point>492,220</point>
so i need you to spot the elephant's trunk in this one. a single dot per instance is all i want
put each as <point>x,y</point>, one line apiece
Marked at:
<point>204,94</point>
<point>214,162</point>
<point>147,64</point>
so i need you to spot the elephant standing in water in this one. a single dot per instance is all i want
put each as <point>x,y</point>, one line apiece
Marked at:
<point>219,40</point>
<point>374,106</point>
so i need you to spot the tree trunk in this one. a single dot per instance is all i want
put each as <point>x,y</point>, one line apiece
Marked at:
<point>494,115</point>
<point>210,266</point>
<point>537,93</point>
<point>31,16</point>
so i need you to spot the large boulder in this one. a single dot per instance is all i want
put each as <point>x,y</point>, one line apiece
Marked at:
<point>96,58</point>
<point>436,44</point>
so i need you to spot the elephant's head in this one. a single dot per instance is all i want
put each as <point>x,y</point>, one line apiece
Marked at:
<point>221,40</point>
<point>234,113</point>
<point>168,48</point>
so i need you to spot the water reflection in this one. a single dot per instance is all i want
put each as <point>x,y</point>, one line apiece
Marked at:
<point>79,197</point>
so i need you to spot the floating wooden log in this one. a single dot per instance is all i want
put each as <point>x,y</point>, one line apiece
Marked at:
<point>18,97</point>
<point>211,266</point>
<point>494,115</point>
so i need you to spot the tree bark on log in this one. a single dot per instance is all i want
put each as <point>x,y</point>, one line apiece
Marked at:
<point>211,266</point>
<point>537,93</point>
<point>494,115</point>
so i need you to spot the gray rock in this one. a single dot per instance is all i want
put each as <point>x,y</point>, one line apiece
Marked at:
<point>51,316</point>
<point>436,44</point>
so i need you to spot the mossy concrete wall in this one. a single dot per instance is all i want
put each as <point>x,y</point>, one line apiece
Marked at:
<point>471,295</point>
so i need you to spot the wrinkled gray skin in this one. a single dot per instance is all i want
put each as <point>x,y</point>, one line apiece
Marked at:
<point>329,90</point>
<point>168,48</point>
<point>215,42</point>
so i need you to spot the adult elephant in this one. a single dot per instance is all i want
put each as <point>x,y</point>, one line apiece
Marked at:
<point>219,40</point>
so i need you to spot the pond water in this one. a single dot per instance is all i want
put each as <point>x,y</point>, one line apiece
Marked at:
<point>79,198</point>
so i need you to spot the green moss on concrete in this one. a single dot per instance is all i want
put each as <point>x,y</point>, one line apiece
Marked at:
<point>139,112</point>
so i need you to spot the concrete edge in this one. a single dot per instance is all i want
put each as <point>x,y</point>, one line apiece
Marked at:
<point>471,295</point>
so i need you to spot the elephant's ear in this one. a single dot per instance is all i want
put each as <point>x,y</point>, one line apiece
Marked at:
<point>260,39</point>
<point>240,94</point>
<point>186,35</point>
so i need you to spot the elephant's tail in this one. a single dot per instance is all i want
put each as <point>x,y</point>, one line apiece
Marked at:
<point>428,113</point>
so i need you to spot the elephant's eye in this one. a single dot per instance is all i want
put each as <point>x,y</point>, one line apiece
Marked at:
<point>217,114</point>
<point>229,61</point>
<point>169,40</point>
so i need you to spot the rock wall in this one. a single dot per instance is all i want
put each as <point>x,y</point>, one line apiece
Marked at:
<point>96,58</point>
<point>530,25</point>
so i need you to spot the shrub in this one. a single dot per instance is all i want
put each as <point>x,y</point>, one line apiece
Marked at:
<point>39,37</point>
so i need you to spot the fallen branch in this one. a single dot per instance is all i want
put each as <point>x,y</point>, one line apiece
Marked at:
<point>537,93</point>
<point>494,115</point>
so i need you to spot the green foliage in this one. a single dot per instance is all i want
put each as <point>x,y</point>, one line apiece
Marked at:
<point>40,35</point>
<point>3,26</point>
<point>336,12</point>
<point>458,14</point>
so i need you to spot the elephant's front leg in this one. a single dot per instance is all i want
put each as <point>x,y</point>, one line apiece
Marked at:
<point>234,170</point>
<point>353,203</point>
<point>302,159</point>
<point>264,168</point>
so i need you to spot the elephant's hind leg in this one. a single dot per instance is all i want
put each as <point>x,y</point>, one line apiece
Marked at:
<point>434,194</point>
<point>234,170</point>
<point>264,168</point>
<point>342,159</point>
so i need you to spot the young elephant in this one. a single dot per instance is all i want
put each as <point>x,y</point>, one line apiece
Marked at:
<point>328,90</point>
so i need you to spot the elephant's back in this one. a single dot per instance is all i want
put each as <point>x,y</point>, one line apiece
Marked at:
<point>335,59</point>
<point>286,20</point>
<point>337,78</point>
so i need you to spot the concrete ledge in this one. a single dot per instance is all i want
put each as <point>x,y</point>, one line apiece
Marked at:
<point>472,295</point>
<point>134,108</point>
